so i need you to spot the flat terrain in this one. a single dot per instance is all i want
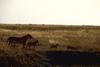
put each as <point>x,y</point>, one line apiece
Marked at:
<point>69,38</point>
<point>84,38</point>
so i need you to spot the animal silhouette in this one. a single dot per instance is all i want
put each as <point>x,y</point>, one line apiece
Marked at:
<point>19,40</point>
<point>32,42</point>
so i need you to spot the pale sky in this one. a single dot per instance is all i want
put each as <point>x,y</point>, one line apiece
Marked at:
<point>66,12</point>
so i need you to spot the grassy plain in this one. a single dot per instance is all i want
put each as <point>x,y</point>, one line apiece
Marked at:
<point>84,38</point>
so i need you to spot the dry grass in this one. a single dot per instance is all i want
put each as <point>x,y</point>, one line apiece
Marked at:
<point>84,38</point>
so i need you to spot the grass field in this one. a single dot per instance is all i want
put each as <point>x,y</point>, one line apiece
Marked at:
<point>83,38</point>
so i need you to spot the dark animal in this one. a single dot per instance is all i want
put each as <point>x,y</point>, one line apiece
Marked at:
<point>54,45</point>
<point>19,40</point>
<point>72,47</point>
<point>32,42</point>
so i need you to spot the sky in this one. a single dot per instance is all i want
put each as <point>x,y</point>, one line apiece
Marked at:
<point>64,12</point>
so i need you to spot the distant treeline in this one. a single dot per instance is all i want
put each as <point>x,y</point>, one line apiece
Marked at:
<point>43,27</point>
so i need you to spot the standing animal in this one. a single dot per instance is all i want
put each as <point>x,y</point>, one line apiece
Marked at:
<point>53,43</point>
<point>19,40</point>
<point>32,42</point>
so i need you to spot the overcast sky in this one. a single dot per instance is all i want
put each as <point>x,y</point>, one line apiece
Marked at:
<point>69,12</point>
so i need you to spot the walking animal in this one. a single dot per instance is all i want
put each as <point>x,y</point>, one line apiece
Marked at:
<point>32,42</point>
<point>19,40</point>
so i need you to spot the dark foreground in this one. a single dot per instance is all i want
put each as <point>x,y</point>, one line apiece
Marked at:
<point>70,58</point>
<point>61,58</point>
